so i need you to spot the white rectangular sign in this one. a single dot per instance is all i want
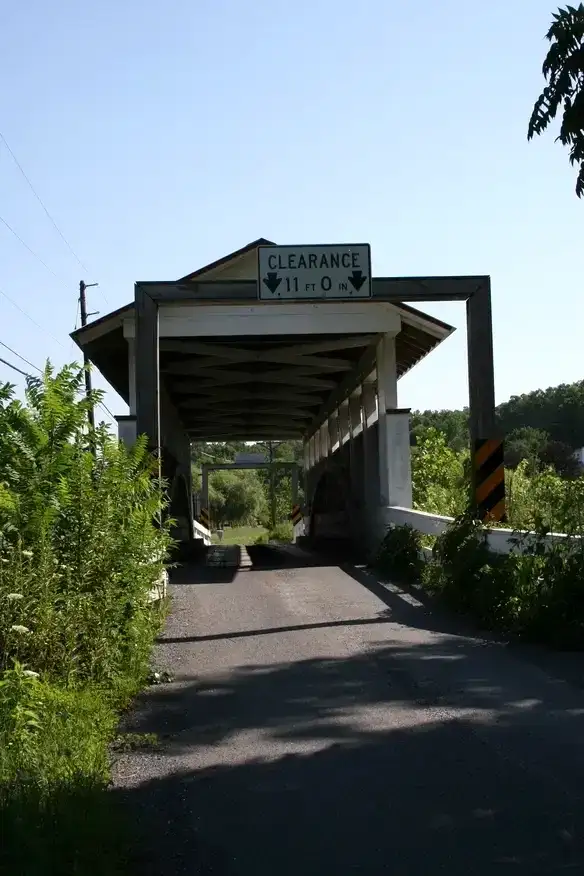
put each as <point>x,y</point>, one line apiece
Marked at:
<point>302,272</point>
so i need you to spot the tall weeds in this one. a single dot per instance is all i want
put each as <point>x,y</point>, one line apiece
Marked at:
<point>81,542</point>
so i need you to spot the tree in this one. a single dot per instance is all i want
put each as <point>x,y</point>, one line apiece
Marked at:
<point>561,457</point>
<point>452,424</point>
<point>439,482</point>
<point>563,70</point>
<point>236,497</point>
<point>525,443</point>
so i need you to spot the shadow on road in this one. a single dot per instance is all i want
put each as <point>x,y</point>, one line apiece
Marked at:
<point>483,791</point>
<point>444,756</point>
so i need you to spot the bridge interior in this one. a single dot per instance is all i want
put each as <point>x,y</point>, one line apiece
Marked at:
<point>229,367</point>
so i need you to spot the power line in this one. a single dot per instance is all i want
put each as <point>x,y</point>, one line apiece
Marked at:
<point>29,317</point>
<point>14,368</point>
<point>36,255</point>
<point>26,374</point>
<point>45,208</point>
<point>106,409</point>
<point>14,353</point>
<point>39,199</point>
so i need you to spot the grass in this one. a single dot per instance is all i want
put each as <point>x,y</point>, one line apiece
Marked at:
<point>241,535</point>
<point>56,813</point>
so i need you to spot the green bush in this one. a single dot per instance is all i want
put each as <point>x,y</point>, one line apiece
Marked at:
<point>468,575</point>
<point>282,533</point>
<point>82,540</point>
<point>537,594</point>
<point>400,555</point>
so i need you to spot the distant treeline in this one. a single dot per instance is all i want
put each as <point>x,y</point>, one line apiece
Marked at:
<point>545,425</point>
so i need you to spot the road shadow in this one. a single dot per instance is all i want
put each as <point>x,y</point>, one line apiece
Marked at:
<point>474,777</point>
<point>216,564</point>
<point>448,755</point>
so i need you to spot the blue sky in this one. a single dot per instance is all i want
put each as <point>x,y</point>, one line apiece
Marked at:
<point>163,136</point>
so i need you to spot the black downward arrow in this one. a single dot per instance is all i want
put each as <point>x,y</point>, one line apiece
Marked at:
<point>272,281</point>
<point>357,279</point>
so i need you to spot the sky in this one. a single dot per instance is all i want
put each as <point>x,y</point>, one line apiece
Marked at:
<point>161,136</point>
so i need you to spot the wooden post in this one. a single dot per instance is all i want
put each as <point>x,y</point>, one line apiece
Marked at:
<point>481,374</point>
<point>481,371</point>
<point>147,369</point>
<point>86,364</point>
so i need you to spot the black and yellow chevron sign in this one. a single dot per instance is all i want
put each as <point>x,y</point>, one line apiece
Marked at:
<point>296,515</point>
<point>204,518</point>
<point>489,480</point>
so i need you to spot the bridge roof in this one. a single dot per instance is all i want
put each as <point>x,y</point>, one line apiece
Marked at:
<point>252,386</point>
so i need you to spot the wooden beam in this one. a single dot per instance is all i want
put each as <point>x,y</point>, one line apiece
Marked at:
<point>189,396</point>
<point>238,353</point>
<point>251,434</point>
<point>202,348</point>
<point>147,384</point>
<point>391,289</point>
<point>205,364</point>
<point>293,357</point>
<point>206,413</point>
<point>481,372</point>
<point>345,342</point>
<point>247,466</point>
<point>291,376</point>
<point>362,370</point>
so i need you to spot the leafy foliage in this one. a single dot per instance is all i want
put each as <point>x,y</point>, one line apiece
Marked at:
<point>439,482</point>
<point>399,556</point>
<point>282,533</point>
<point>544,427</point>
<point>236,497</point>
<point>82,540</point>
<point>563,69</point>
<point>453,425</point>
<point>537,591</point>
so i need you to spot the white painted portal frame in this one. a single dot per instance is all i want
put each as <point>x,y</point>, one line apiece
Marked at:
<point>216,320</point>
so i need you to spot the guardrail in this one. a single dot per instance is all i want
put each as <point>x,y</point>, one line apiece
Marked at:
<point>500,541</point>
<point>202,532</point>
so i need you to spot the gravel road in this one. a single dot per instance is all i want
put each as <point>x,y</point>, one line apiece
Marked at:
<point>320,723</point>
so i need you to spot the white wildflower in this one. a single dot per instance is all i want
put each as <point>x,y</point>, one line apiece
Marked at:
<point>19,628</point>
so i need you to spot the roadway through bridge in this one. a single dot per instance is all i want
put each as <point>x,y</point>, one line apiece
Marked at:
<point>322,722</point>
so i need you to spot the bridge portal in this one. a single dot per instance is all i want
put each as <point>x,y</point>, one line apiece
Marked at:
<point>237,351</point>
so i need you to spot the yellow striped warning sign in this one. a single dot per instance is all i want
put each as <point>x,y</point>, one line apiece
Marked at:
<point>489,480</point>
<point>204,518</point>
<point>296,515</point>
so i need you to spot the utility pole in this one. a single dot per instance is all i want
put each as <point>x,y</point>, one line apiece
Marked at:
<point>272,485</point>
<point>83,308</point>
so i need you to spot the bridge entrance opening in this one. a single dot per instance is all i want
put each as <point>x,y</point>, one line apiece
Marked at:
<point>209,358</point>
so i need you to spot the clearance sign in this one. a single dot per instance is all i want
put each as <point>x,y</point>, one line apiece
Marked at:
<point>314,272</point>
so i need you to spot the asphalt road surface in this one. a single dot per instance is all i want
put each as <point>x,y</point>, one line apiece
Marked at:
<point>322,723</point>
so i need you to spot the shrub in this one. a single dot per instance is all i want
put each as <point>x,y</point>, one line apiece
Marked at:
<point>469,576</point>
<point>537,594</point>
<point>282,532</point>
<point>400,555</point>
<point>82,539</point>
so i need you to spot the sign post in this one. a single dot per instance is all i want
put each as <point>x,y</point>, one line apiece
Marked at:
<point>320,272</point>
